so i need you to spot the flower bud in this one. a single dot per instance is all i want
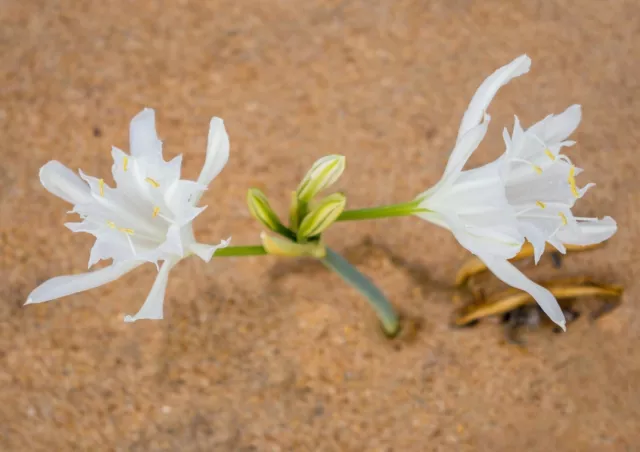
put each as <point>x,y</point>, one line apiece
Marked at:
<point>322,174</point>
<point>261,210</point>
<point>284,247</point>
<point>322,216</point>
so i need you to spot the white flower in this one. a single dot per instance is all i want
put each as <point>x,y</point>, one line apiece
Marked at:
<point>147,217</point>
<point>527,193</point>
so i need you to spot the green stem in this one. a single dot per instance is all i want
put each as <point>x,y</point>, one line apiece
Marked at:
<point>377,300</point>
<point>393,210</point>
<point>229,251</point>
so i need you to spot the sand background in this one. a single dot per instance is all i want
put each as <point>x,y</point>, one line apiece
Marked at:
<point>268,354</point>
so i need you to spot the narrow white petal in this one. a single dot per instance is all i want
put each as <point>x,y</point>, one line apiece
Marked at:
<point>588,232</point>
<point>556,128</point>
<point>173,241</point>
<point>152,308</point>
<point>62,286</point>
<point>143,139</point>
<point>465,146</point>
<point>485,93</point>
<point>502,239</point>
<point>217,154</point>
<point>64,183</point>
<point>205,252</point>
<point>509,274</point>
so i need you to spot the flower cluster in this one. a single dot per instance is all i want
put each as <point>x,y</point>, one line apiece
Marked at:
<point>527,194</point>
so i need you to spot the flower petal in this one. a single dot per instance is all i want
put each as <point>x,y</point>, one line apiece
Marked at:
<point>152,308</point>
<point>500,239</point>
<point>143,139</point>
<point>485,93</point>
<point>217,154</point>
<point>62,286</point>
<point>173,242</point>
<point>465,146</point>
<point>205,252</point>
<point>509,274</point>
<point>555,128</point>
<point>64,183</point>
<point>588,231</point>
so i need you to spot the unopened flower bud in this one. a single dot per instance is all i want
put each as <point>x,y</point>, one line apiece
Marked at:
<point>322,174</point>
<point>322,216</point>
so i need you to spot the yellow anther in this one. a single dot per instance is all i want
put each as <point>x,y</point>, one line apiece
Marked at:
<point>127,231</point>
<point>111,224</point>
<point>541,204</point>
<point>101,185</point>
<point>152,182</point>
<point>549,154</point>
<point>125,163</point>
<point>537,168</point>
<point>572,182</point>
<point>564,219</point>
<point>156,211</point>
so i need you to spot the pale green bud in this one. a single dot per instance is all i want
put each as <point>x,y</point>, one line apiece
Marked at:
<point>294,220</point>
<point>322,216</point>
<point>261,210</point>
<point>322,174</point>
<point>284,247</point>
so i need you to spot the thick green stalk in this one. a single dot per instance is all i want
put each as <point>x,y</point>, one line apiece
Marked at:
<point>377,300</point>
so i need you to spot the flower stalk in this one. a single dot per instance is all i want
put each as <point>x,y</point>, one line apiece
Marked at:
<point>392,210</point>
<point>383,309</point>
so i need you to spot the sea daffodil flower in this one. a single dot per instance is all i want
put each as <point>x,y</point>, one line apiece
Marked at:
<point>527,193</point>
<point>147,217</point>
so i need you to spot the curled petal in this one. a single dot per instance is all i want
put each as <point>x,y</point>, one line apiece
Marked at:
<point>587,231</point>
<point>501,240</point>
<point>64,183</point>
<point>556,128</point>
<point>62,286</point>
<point>206,252</point>
<point>509,274</point>
<point>143,139</point>
<point>173,242</point>
<point>217,154</point>
<point>485,93</point>
<point>152,308</point>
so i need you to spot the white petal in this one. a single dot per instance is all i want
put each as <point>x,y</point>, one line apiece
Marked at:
<point>217,154</point>
<point>64,183</point>
<point>501,239</point>
<point>152,308</point>
<point>173,242</point>
<point>556,128</point>
<point>143,139</point>
<point>589,232</point>
<point>509,274</point>
<point>459,156</point>
<point>205,252</point>
<point>62,286</point>
<point>485,93</point>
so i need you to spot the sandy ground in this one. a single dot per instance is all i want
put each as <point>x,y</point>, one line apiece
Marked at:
<point>268,354</point>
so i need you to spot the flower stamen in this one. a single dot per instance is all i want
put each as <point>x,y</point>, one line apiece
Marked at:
<point>111,224</point>
<point>152,182</point>
<point>572,182</point>
<point>563,217</point>
<point>101,186</point>
<point>127,231</point>
<point>550,154</point>
<point>541,204</point>
<point>125,163</point>
<point>156,211</point>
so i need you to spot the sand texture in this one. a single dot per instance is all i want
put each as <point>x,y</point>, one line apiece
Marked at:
<point>269,354</point>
